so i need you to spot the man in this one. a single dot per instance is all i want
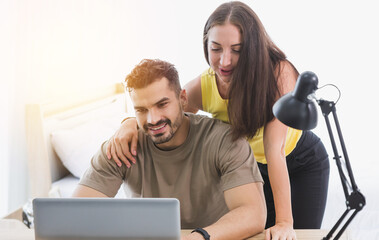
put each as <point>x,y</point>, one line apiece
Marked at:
<point>184,156</point>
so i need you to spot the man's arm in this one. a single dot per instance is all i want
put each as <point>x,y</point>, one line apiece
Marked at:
<point>84,191</point>
<point>247,215</point>
<point>102,179</point>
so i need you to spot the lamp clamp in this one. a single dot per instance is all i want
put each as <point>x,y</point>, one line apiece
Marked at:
<point>356,201</point>
<point>326,106</point>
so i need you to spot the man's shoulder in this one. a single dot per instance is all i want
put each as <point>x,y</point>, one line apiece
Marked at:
<point>202,121</point>
<point>215,131</point>
<point>209,127</point>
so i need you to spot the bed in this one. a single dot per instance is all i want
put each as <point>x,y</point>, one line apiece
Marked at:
<point>64,133</point>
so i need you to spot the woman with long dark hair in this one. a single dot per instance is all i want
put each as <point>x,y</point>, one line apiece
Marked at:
<point>247,74</point>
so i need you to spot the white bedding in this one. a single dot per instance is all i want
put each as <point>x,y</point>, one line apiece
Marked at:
<point>64,188</point>
<point>77,134</point>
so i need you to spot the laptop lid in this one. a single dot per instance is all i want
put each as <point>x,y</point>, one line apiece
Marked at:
<point>106,218</point>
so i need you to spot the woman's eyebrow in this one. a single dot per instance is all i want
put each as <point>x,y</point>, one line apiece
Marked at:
<point>215,43</point>
<point>234,45</point>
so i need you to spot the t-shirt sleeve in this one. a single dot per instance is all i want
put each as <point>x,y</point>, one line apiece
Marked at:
<point>103,175</point>
<point>236,163</point>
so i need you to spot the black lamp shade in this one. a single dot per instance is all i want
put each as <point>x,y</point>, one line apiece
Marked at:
<point>295,109</point>
<point>294,113</point>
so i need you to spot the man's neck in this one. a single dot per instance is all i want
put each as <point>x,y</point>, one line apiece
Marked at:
<point>179,138</point>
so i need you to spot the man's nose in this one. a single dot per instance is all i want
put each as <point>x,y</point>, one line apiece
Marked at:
<point>153,117</point>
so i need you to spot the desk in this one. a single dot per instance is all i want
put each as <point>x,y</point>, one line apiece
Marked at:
<point>308,234</point>
<point>12,229</point>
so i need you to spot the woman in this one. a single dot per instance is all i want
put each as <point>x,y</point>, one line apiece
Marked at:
<point>247,74</point>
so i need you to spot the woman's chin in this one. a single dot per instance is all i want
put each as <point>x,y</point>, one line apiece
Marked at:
<point>223,78</point>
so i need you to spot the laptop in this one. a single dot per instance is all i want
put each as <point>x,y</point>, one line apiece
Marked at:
<point>106,218</point>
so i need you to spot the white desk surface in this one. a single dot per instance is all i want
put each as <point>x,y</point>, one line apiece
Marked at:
<point>12,229</point>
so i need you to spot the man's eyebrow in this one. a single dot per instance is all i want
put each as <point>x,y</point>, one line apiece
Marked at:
<point>157,103</point>
<point>234,45</point>
<point>162,100</point>
<point>138,107</point>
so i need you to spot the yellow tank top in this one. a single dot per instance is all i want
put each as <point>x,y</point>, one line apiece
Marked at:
<point>217,106</point>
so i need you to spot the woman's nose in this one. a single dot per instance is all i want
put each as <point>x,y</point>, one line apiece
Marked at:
<point>225,59</point>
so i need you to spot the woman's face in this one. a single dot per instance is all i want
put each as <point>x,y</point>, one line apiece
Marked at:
<point>224,45</point>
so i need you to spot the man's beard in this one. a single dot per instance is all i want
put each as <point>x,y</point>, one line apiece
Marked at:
<point>161,137</point>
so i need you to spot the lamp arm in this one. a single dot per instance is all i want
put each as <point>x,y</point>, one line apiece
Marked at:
<point>343,147</point>
<point>326,108</point>
<point>355,199</point>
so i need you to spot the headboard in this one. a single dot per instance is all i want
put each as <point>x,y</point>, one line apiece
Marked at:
<point>42,118</point>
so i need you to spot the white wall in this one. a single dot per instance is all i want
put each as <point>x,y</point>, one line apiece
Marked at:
<point>56,46</point>
<point>5,74</point>
<point>4,156</point>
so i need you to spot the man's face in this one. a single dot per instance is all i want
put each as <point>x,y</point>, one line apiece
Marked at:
<point>158,110</point>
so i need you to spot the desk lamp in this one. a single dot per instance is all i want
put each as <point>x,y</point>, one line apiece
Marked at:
<point>297,109</point>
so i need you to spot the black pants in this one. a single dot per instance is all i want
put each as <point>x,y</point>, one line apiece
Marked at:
<point>308,168</point>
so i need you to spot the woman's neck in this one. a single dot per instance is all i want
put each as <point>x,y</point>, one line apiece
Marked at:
<point>222,87</point>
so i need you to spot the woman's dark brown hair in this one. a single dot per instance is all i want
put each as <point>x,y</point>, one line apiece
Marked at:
<point>253,89</point>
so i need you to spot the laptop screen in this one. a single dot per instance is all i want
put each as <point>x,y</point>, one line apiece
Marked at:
<point>106,218</point>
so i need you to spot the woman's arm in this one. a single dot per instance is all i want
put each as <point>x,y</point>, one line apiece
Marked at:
<point>122,146</point>
<point>274,139</point>
<point>193,89</point>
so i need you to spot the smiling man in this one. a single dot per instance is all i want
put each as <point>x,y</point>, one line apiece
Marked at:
<point>184,156</point>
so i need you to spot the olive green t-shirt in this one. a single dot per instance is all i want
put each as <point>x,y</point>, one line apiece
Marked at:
<point>197,172</point>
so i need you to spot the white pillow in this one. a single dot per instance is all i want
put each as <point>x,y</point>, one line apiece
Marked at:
<point>76,146</point>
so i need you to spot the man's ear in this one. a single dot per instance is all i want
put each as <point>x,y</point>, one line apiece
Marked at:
<point>183,98</point>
